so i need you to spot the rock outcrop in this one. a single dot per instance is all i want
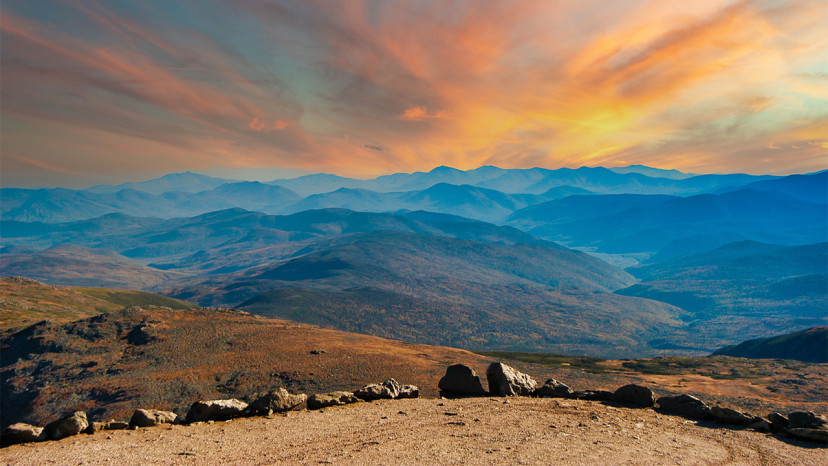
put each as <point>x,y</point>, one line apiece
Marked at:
<point>460,380</point>
<point>323,400</point>
<point>387,390</point>
<point>276,401</point>
<point>778,422</point>
<point>215,410</point>
<point>66,426</point>
<point>21,433</point>
<point>151,417</point>
<point>684,405</point>
<point>731,416</point>
<point>409,391</point>
<point>634,395</point>
<point>808,426</point>
<point>553,389</point>
<point>505,380</point>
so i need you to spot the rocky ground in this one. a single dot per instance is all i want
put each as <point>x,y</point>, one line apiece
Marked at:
<point>514,430</point>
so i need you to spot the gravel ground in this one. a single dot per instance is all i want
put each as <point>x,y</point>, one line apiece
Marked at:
<point>433,431</point>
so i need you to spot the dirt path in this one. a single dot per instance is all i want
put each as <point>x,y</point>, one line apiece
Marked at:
<point>433,431</point>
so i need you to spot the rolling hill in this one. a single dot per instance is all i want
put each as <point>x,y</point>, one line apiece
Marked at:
<point>67,264</point>
<point>809,345</point>
<point>638,223</point>
<point>24,302</point>
<point>743,289</point>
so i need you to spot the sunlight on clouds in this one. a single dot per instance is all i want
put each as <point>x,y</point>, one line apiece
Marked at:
<point>707,85</point>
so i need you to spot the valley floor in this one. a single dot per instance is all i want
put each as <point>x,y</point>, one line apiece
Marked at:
<point>433,431</point>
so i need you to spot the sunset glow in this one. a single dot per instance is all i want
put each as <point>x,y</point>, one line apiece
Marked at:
<point>105,91</point>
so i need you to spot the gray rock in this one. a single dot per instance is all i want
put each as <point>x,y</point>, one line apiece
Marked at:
<point>409,391</point>
<point>21,433</point>
<point>461,380</point>
<point>554,389</point>
<point>806,419</point>
<point>815,435</point>
<point>215,410</point>
<point>151,417</point>
<point>66,426</point>
<point>778,422</point>
<point>277,401</point>
<point>592,395</point>
<point>684,405</point>
<point>731,416</point>
<point>374,392</point>
<point>323,400</point>
<point>505,380</point>
<point>634,395</point>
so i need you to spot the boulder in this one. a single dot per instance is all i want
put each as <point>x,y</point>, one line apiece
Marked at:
<point>815,435</point>
<point>373,392</point>
<point>277,401</point>
<point>553,389</point>
<point>634,395</point>
<point>387,390</point>
<point>151,417</point>
<point>215,410</point>
<point>731,416</point>
<point>21,433</point>
<point>684,405</point>
<point>409,391</point>
<point>461,380</point>
<point>778,422</point>
<point>592,395</point>
<point>760,425</point>
<point>507,381</point>
<point>323,400</point>
<point>805,419</point>
<point>66,426</point>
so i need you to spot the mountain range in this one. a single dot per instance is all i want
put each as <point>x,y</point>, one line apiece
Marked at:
<point>481,259</point>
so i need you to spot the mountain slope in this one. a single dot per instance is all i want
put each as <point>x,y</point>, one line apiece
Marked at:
<point>810,345</point>
<point>80,266</point>
<point>187,182</point>
<point>25,302</point>
<point>744,289</point>
<point>809,188</point>
<point>630,223</point>
<point>114,363</point>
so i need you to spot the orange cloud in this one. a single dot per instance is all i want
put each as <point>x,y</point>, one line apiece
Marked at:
<point>418,113</point>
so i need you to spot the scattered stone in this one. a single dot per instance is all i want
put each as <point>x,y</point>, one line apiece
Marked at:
<point>634,395</point>
<point>461,380</point>
<point>66,426</point>
<point>409,391</point>
<point>276,401</point>
<point>553,389</point>
<point>456,423</point>
<point>592,395</point>
<point>505,380</point>
<point>806,419</point>
<point>731,416</point>
<point>318,351</point>
<point>21,433</point>
<point>817,435</point>
<point>151,417</point>
<point>778,422</point>
<point>684,405</point>
<point>215,410</point>
<point>387,390</point>
<point>323,400</point>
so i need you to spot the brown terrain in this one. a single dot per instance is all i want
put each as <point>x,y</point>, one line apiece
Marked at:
<point>157,357</point>
<point>432,431</point>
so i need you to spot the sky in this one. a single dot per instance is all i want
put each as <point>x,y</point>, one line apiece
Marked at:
<point>112,91</point>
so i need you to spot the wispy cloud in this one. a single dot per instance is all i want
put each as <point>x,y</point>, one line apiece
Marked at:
<point>713,84</point>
